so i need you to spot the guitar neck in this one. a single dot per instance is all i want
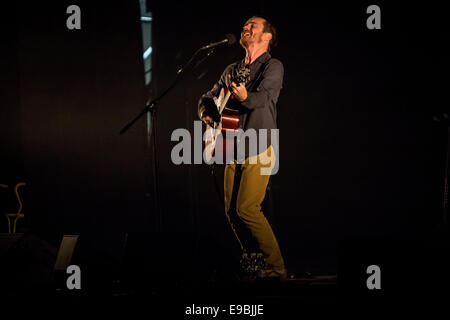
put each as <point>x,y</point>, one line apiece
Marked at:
<point>242,77</point>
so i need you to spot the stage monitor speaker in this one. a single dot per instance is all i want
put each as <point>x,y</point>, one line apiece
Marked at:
<point>65,251</point>
<point>28,261</point>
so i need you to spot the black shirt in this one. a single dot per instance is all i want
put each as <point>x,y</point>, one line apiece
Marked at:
<point>258,111</point>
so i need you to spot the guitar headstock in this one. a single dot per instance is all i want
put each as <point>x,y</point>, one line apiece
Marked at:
<point>242,75</point>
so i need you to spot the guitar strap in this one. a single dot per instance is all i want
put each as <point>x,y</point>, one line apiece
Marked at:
<point>251,87</point>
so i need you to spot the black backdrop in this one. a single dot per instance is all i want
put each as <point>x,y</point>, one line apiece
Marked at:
<point>70,93</point>
<point>360,155</point>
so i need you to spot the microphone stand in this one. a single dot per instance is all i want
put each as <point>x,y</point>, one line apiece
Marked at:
<point>151,106</point>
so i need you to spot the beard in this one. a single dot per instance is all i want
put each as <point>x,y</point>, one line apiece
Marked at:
<point>243,42</point>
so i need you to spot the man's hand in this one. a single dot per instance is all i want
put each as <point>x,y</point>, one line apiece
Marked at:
<point>210,114</point>
<point>239,91</point>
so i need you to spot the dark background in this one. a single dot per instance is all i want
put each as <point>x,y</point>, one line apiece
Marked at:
<point>360,154</point>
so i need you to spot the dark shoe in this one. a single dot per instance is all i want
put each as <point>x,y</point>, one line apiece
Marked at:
<point>267,274</point>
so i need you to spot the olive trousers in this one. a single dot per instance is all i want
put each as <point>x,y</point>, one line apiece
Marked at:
<point>244,190</point>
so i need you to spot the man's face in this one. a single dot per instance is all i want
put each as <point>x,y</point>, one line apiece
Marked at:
<point>252,32</point>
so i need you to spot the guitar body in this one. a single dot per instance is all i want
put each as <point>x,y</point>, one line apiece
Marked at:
<point>230,120</point>
<point>227,139</point>
<point>224,134</point>
<point>221,140</point>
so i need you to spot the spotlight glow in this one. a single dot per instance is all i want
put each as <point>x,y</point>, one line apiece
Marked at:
<point>147,53</point>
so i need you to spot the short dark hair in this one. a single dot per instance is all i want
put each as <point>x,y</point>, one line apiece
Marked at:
<point>269,27</point>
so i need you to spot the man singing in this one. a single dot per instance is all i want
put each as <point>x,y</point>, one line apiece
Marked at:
<point>245,182</point>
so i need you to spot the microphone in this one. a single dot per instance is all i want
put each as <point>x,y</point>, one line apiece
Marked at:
<point>229,39</point>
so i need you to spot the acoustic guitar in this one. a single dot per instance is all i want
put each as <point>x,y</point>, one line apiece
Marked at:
<point>224,133</point>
